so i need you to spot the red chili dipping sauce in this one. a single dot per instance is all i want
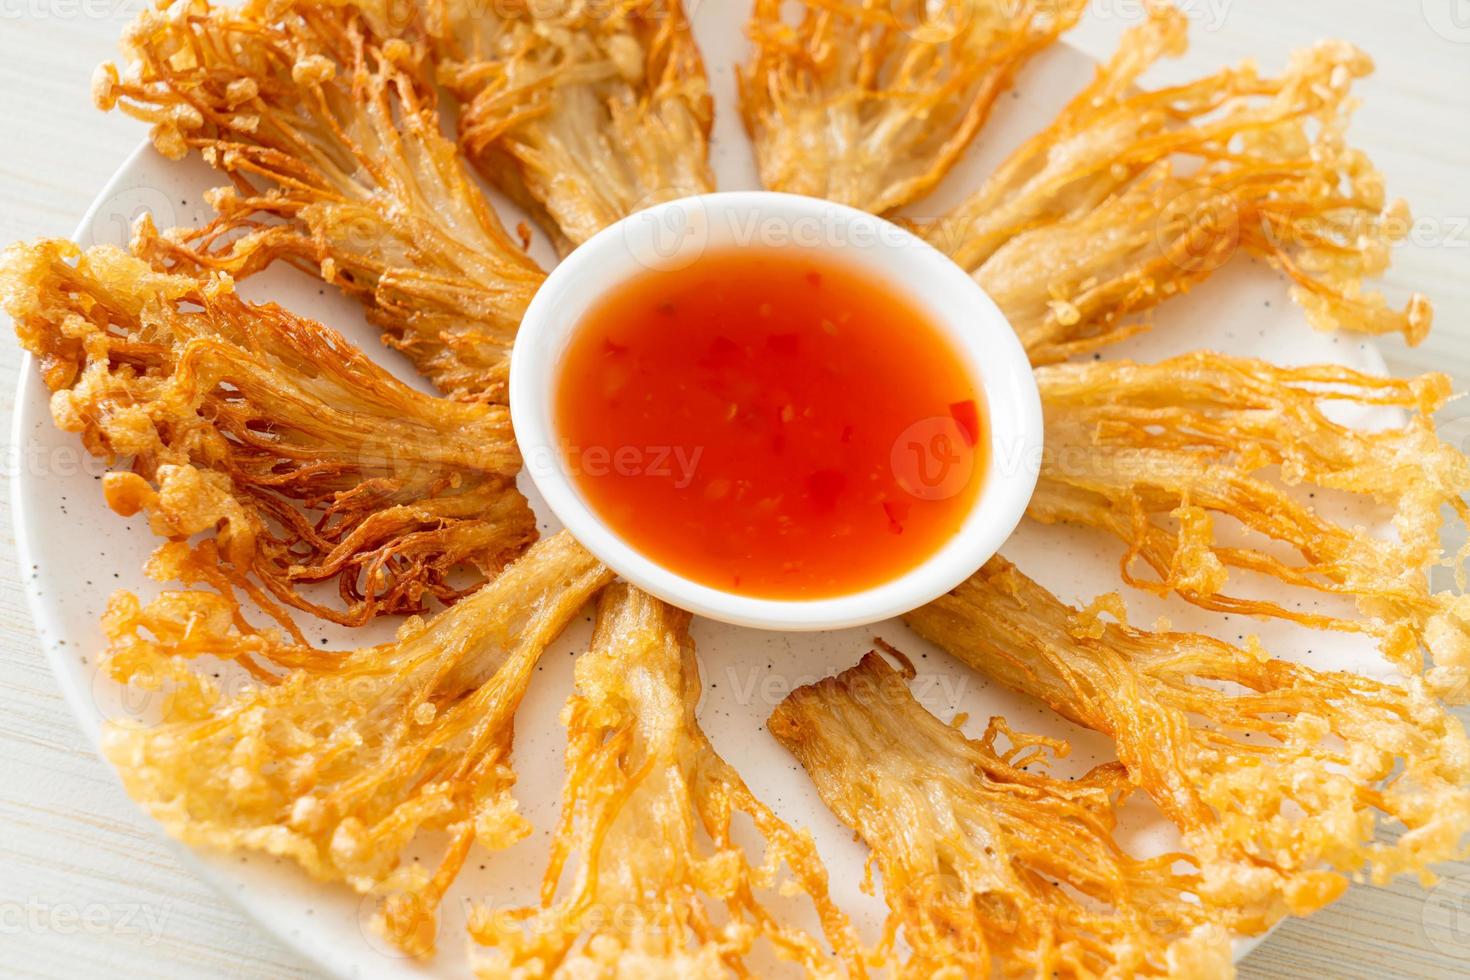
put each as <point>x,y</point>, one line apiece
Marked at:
<point>771,423</point>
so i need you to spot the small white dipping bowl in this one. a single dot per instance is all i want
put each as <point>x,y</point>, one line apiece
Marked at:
<point>673,236</point>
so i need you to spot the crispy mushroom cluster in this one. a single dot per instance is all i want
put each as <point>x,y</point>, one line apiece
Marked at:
<point>1131,196</point>
<point>648,814</point>
<point>324,115</point>
<point>275,460</point>
<point>1199,464</point>
<point>340,763</point>
<point>1277,775</point>
<point>301,459</point>
<point>581,112</point>
<point>871,102</point>
<point>986,863</point>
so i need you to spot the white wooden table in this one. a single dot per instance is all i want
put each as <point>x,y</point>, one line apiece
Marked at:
<point>87,885</point>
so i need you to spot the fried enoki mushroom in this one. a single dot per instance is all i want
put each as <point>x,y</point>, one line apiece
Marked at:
<point>328,127</point>
<point>871,102</point>
<point>990,868</point>
<point>1130,197</point>
<point>1156,454</point>
<point>340,770</point>
<point>581,113</point>
<point>301,458</point>
<point>660,888</point>
<point>1278,776</point>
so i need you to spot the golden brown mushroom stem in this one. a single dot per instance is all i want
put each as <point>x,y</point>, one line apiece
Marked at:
<point>871,102</point>
<point>659,885</point>
<point>324,116</point>
<point>341,763</point>
<point>1278,776</point>
<point>581,113</point>
<point>986,861</point>
<point>299,458</point>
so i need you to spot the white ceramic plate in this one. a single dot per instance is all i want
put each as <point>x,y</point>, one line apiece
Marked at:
<point>74,553</point>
